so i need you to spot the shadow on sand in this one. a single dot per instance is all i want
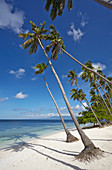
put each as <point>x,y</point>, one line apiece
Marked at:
<point>22,145</point>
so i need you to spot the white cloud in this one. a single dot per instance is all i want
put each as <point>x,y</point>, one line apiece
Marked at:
<point>85,104</point>
<point>84,19</point>
<point>19,73</point>
<point>77,107</point>
<point>96,65</point>
<point>34,78</point>
<point>63,108</point>
<point>64,76</point>
<point>79,74</point>
<point>34,115</point>
<point>76,33</point>
<point>3,99</point>
<point>10,18</point>
<point>110,75</point>
<point>20,95</point>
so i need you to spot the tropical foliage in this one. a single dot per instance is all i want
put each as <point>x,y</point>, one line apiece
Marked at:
<point>101,98</point>
<point>57,6</point>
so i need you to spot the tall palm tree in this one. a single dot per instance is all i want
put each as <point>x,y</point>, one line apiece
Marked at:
<point>41,67</point>
<point>73,77</point>
<point>89,146</point>
<point>56,44</point>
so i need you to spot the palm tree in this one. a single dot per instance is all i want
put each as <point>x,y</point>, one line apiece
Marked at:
<point>57,6</point>
<point>86,75</point>
<point>73,77</point>
<point>41,67</point>
<point>89,146</point>
<point>56,44</point>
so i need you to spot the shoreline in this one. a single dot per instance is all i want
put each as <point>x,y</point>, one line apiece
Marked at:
<point>27,140</point>
<point>46,135</point>
<point>52,152</point>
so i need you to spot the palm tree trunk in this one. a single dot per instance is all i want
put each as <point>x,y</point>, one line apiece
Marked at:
<point>93,112</point>
<point>82,104</point>
<point>103,100</point>
<point>87,67</point>
<point>91,108</point>
<point>86,141</point>
<point>70,137</point>
<point>104,93</point>
<point>109,87</point>
<point>105,3</point>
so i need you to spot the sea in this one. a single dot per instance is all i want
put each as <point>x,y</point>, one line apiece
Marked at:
<point>14,131</point>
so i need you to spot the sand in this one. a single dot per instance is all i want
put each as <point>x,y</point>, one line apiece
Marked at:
<point>53,153</point>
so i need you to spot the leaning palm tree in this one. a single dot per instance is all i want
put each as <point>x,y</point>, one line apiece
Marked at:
<point>73,77</point>
<point>56,45</point>
<point>37,36</point>
<point>41,67</point>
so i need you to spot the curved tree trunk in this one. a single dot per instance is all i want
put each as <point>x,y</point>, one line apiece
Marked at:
<point>105,3</point>
<point>105,94</point>
<point>91,108</point>
<point>87,67</point>
<point>103,100</point>
<point>86,141</point>
<point>82,104</point>
<point>93,112</point>
<point>70,137</point>
<point>109,87</point>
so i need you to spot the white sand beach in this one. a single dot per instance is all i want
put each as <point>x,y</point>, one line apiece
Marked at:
<point>53,153</point>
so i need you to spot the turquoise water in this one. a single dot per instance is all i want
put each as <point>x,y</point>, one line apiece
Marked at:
<point>15,131</point>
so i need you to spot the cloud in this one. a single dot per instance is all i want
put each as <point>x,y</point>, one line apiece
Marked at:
<point>77,107</point>
<point>76,33</point>
<point>63,108</point>
<point>20,95</point>
<point>79,74</point>
<point>3,99</point>
<point>64,76</point>
<point>85,104</point>
<point>110,75</point>
<point>34,115</point>
<point>84,19</point>
<point>96,65</point>
<point>19,73</point>
<point>11,18</point>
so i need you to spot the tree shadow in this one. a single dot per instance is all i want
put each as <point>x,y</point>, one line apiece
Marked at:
<point>65,153</point>
<point>52,139</point>
<point>22,145</point>
<point>20,137</point>
<point>103,139</point>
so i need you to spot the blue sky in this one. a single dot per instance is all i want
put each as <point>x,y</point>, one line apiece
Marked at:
<point>87,34</point>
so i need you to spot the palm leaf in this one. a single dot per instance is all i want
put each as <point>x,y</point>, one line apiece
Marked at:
<point>47,6</point>
<point>70,5</point>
